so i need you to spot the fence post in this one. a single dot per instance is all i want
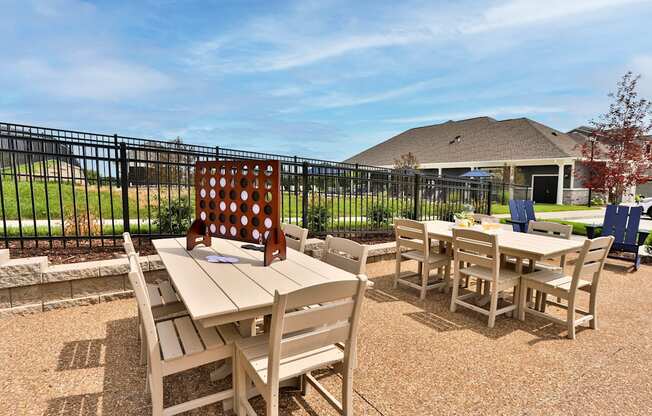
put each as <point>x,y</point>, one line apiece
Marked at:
<point>217,153</point>
<point>488,197</point>
<point>124,182</point>
<point>415,208</point>
<point>117,146</point>
<point>304,195</point>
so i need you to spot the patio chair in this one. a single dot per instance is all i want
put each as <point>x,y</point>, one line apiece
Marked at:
<point>162,297</point>
<point>521,212</point>
<point>556,283</point>
<point>413,235</point>
<point>622,222</point>
<point>301,340</point>
<point>345,254</point>
<point>178,345</point>
<point>295,236</point>
<point>481,251</point>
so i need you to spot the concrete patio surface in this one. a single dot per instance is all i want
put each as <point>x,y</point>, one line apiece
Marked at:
<point>415,358</point>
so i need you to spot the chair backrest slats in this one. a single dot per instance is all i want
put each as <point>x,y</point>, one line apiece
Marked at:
<point>622,222</point>
<point>321,337</point>
<point>317,316</point>
<point>295,236</point>
<point>137,281</point>
<point>550,229</point>
<point>522,211</point>
<point>333,317</point>
<point>345,254</point>
<point>411,234</point>
<point>591,260</point>
<point>477,248</point>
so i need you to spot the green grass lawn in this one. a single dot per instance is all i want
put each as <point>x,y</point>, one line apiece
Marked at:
<point>504,209</point>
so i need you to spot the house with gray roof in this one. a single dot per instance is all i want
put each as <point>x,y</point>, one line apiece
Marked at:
<point>519,151</point>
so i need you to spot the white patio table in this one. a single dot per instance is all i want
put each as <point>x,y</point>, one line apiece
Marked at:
<point>221,293</point>
<point>522,246</point>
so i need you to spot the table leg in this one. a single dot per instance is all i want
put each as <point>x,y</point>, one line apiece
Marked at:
<point>247,329</point>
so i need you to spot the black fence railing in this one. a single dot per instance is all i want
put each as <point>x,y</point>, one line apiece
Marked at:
<point>86,188</point>
<point>502,192</point>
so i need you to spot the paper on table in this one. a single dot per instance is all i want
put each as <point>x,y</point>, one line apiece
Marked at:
<point>221,259</point>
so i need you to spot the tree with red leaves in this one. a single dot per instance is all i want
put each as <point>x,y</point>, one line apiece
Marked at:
<point>615,154</point>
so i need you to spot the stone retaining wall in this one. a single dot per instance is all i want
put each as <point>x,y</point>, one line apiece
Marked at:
<point>31,285</point>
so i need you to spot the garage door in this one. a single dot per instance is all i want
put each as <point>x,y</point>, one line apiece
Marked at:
<point>545,189</point>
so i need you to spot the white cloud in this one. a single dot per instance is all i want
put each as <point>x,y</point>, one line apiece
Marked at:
<point>91,79</point>
<point>489,112</point>
<point>339,100</point>
<point>524,12</point>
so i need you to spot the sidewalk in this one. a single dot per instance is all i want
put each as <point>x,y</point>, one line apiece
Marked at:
<point>566,215</point>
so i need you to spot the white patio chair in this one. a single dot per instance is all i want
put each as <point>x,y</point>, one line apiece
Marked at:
<point>345,254</point>
<point>481,252</point>
<point>295,236</point>
<point>556,283</point>
<point>162,296</point>
<point>301,340</point>
<point>414,236</point>
<point>178,345</point>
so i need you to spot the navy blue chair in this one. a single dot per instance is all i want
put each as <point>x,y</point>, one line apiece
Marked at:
<point>522,212</point>
<point>622,223</point>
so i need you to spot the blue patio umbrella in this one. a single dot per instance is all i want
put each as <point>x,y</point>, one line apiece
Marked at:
<point>476,174</point>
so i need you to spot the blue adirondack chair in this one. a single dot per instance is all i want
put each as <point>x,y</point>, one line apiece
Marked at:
<point>622,222</point>
<point>522,212</point>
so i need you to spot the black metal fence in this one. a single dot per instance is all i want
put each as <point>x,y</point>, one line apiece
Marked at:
<point>86,188</point>
<point>502,192</point>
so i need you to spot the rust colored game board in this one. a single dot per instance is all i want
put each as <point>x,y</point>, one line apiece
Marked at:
<point>239,200</point>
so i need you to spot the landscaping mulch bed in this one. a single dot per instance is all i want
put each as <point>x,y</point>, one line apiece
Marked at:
<point>76,252</point>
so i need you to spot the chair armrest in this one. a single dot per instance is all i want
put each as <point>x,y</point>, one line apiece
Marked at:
<point>591,229</point>
<point>642,236</point>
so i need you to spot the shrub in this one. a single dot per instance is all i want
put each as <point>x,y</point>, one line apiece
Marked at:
<point>174,217</point>
<point>318,217</point>
<point>379,215</point>
<point>406,211</point>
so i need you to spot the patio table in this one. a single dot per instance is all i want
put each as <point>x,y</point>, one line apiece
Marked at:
<point>519,245</point>
<point>522,246</point>
<point>220,293</point>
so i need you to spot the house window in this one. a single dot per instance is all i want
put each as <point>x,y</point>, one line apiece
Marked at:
<point>648,148</point>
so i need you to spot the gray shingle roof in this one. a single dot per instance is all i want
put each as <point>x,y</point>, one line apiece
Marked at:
<point>480,139</point>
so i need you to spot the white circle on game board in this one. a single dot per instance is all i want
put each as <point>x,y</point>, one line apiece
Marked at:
<point>222,182</point>
<point>233,207</point>
<point>222,229</point>
<point>212,182</point>
<point>222,206</point>
<point>213,228</point>
<point>266,234</point>
<point>202,216</point>
<point>255,234</point>
<point>268,223</point>
<point>244,195</point>
<point>244,220</point>
<point>212,193</point>
<point>234,231</point>
<point>255,208</point>
<point>202,193</point>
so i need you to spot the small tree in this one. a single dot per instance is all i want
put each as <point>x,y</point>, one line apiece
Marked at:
<point>406,161</point>
<point>615,153</point>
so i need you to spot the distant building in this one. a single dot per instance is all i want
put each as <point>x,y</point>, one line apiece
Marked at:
<point>520,151</point>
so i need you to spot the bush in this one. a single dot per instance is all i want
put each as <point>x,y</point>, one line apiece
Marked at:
<point>174,217</point>
<point>318,217</point>
<point>379,215</point>
<point>406,211</point>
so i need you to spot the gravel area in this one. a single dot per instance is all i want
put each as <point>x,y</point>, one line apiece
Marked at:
<point>415,358</point>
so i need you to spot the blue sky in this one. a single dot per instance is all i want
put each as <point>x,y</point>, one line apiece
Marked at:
<point>314,78</point>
